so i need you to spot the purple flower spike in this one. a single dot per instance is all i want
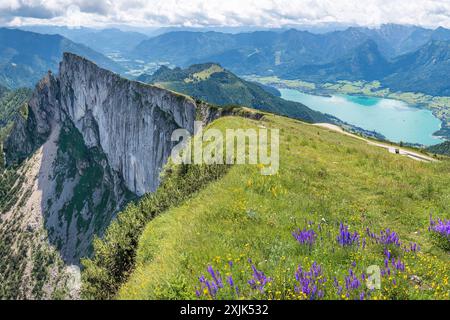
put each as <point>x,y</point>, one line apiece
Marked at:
<point>311,282</point>
<point>230,281</point>
<point>441,227</point>
<point>211,287</point>
<point>345,238</point>
<point>258,280</point>
<point>386,237</point>
<point>305,237</point>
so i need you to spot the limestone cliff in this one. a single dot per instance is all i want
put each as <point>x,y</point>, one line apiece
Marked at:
<point>131,122</point>
<point>89,142</point>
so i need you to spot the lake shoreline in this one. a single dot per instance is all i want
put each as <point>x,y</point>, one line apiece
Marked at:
<point>437,105</point>
<point>374,113</point>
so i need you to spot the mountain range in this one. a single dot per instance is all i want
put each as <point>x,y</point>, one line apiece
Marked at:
<point>26,56</point>
<point>425,70</point>
<point>105,41</point>
<point>278,49</point>
<point>404,58</point>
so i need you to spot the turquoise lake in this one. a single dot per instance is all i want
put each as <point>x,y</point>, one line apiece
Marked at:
<point>394,119</point>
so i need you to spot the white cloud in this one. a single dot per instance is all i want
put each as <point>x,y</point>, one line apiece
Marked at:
<point>264,13</point>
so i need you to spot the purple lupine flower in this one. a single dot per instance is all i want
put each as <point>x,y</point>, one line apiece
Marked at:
<point>345,238</point>
<point>389,237</point>
<point>337,285</point>
<point>390,261</point>
<point>386,237</point>
<point>351,281</point>
<point>213,286</point>
<point>387,253</point>
<point>216,277</point>
<point>310,282</point>
<point>398,264</point>
<point>230,281</point>
<point>441,227</point>
<point>414,247</point>
<point>307,237</point>
<point>353,286</point>
<point>258,280</point>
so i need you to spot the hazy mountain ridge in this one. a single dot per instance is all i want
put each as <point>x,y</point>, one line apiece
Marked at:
<point>425,70</point>
<point>364,62</point>
<point>246,52</point>
<point>292,44</point>
<point>401,57</point>
<point>102,40</point>
<point>25,57</point>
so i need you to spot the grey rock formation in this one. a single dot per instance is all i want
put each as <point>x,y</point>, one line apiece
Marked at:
<point>103,140</point>
<point>130,121</point>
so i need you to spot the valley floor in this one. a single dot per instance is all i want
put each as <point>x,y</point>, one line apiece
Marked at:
<point>354,205</point>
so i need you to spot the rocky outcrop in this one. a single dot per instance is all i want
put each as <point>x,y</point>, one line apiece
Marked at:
<point>130,121</point>
<point>100,141</point>
<point>207,113</point>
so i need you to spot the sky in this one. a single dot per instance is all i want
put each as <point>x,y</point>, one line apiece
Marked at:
<point>230,13</point>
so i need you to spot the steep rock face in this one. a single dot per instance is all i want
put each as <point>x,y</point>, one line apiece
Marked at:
<point>30,132</point>
<point>130,121</point>
<point>89,142</point>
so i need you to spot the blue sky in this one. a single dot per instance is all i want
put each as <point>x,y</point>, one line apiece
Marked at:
<point>196,13</point>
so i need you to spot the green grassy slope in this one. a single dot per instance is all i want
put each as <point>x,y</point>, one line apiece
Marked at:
<point>11,102</point>
<point>442,148</point>
<point>325,178</point>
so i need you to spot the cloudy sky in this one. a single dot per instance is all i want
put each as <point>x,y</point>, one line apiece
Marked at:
<point>193,13</point>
